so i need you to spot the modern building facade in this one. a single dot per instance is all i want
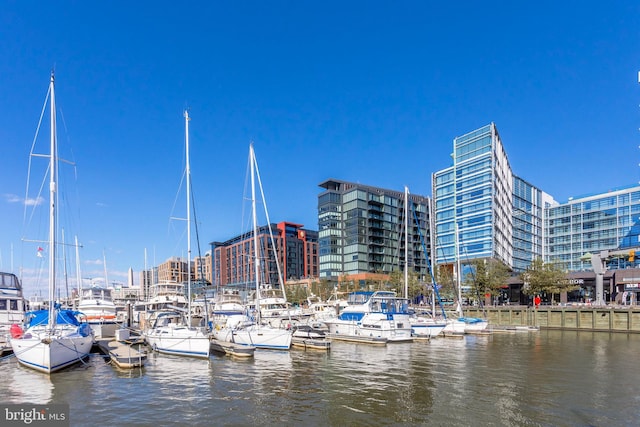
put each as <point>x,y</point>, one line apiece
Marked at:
<point>529,204</point>
<point>360,230</point>
<point>482,210</point>
<point>593,223</point>
<point>175,269</point>
<point>203,270</point>
<point>295,247</point>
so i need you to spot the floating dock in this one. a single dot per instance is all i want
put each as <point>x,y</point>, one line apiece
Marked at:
<point>232,349</point>
<point>121,350</point>
<point>311,343</point>
<point>359,338</point>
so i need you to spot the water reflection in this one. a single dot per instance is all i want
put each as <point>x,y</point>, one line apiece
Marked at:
<point>538,379</point>
<point>24,385</point>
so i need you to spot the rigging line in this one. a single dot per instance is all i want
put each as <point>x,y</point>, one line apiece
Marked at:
<point>426,255</point>
<point>464,249</point>
<point>31,154</point>
<point>195,220</point>
<point>275,251</point>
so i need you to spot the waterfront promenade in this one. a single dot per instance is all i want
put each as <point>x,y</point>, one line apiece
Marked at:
<point>610,318</point>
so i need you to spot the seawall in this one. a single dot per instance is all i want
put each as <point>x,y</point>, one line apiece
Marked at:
<point>582,318</point>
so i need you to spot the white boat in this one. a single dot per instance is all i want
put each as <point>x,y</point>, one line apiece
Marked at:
<point>245,329</point>
<point>99,310</point>
<point>275,310</point>
<point>12,307</point>
<point>227,302</point>
<point>310,337</point>
<point>171,331</point>
<point>54,338</point>
<point>319,310</point>
<point>379,314</point>
<point>465,325</point>
<point>165,295</point>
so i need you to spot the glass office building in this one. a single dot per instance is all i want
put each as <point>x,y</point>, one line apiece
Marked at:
<point>593,223</point>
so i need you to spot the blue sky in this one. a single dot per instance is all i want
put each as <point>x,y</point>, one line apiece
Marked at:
<point>365,91</point>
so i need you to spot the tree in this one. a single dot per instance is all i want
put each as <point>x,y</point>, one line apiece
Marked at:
<point>545,278</point>
<point>445,282</point>
<point>415,288</point>
<point>488,276</point>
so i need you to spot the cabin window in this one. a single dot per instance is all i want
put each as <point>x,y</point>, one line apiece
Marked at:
<point>14,304</point>
<point>3,304</point>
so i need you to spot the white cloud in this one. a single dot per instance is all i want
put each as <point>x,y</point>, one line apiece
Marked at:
<point>12,198</point>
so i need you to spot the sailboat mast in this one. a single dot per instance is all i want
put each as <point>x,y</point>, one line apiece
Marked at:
<point>79,279</point>
<point>104,264</point>
<point>459,271</point>
<point>406,241</point>
<point>188,172</point>
<point>52,208</point>
<point>256,263</point>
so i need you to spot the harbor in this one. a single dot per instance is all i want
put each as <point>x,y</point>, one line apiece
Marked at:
<point>503,379</point>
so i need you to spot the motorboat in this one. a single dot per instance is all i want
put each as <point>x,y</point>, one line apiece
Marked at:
<point>379,314</point>
<point>12,307</point>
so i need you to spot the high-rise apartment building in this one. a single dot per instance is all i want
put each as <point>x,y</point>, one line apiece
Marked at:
<point>481,209</point>
<point>296,247</point>
<point>360,230</point>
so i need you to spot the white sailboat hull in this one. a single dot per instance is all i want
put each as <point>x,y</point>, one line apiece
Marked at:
<point>465,326</point>
<point>427,329</point>
<point>50,352</point>
<point>258,336</point>
<point>180,340</point>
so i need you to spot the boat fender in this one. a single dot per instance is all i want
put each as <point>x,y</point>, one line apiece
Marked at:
<point>16,331</point>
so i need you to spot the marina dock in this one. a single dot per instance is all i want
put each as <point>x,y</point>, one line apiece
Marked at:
<point>123,352</point>
<point>232,349</point>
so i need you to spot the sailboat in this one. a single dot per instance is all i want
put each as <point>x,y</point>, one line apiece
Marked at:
<point>97,305</point>
<point>422,325</point>
<point>243,329</point>
<point>54,337</point>
<point>462,325</point>
<point>171,331</point>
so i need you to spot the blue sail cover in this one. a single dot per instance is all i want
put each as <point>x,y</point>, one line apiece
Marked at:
<point>41,317</point>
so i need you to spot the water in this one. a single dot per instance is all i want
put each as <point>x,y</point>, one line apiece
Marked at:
<point>546,378</point>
